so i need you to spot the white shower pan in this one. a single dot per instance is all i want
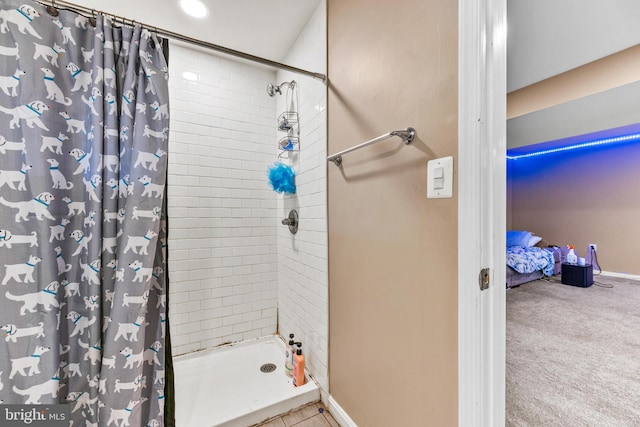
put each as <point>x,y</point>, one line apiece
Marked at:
<point>226,387</point>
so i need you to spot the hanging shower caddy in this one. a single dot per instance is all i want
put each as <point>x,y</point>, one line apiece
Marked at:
<point>281,174</point>
<point>288,123</point>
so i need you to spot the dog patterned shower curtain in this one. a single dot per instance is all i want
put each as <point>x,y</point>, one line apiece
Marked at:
<point>83,154</point>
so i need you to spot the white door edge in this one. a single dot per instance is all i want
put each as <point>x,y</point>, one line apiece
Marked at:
<point>481,211</point>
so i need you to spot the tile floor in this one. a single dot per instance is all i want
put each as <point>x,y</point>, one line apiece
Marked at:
<point>307,416</point>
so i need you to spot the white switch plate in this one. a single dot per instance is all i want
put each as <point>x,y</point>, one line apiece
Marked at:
<point>446,165</point>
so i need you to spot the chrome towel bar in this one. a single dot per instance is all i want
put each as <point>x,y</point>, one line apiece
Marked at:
<point>407,136</point>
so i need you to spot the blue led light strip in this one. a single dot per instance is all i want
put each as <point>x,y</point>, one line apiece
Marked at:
<point>626,138</point>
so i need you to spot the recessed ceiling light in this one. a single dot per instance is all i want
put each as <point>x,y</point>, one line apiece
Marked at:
<point>190,75</point>
<point>195,8</point>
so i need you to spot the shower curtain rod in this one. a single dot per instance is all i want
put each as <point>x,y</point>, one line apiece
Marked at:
<point>170,34</point>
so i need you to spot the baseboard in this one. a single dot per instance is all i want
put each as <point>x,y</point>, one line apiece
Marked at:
<point>339,414</point>
<point>621,275</point>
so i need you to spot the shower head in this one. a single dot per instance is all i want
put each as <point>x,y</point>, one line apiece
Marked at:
<point>273,89</point>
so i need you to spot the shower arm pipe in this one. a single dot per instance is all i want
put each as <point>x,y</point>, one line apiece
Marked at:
<point>407,136</point>
<point>172,35</point>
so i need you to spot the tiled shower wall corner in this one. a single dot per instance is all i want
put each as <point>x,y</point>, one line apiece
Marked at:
<point>237,273</point>
<point>222,239</point>
<point>302,258</point>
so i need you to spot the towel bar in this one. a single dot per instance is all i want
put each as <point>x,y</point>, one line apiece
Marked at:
<point>407,136</point>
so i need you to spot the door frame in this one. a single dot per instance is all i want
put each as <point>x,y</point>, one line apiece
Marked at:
<point>481,168</point>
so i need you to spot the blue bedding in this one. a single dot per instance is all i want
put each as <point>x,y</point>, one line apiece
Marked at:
<point>525,259</point>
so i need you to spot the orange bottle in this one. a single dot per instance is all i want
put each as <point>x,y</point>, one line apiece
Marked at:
<point>298,367</point>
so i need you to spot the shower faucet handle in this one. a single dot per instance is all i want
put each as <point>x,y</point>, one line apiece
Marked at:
<point>292,221</point>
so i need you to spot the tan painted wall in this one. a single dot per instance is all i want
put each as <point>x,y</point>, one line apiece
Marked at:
<point>606,73</point>
<point>582,197</point>
<point>392,252</point>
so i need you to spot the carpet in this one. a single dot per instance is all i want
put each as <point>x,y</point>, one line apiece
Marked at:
<point>573,354</point>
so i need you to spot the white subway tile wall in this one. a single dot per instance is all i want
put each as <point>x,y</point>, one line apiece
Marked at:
<point>222,238</point>
<point>303,289</point>
<point>236,273</point>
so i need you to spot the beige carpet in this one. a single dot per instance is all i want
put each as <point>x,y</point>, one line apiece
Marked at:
<point>573,354</point>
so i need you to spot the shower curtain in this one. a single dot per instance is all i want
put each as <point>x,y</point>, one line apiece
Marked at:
<point>83,153</point>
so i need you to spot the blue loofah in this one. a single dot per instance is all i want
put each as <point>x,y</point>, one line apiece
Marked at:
<point>282,178</point>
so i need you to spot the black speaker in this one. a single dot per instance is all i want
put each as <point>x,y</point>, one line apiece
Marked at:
<point>577,275</point>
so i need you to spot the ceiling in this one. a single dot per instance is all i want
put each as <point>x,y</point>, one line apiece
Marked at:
<point>549,37</point>
<point>615,108</point>
<point>545,38</point>
<point>264,28</point>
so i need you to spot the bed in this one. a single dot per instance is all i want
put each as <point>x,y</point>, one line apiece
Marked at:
<point>526,261</point>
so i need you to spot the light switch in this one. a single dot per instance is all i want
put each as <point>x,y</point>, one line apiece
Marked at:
<point>440,178</point>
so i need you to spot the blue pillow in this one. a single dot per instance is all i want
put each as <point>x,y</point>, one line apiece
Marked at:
<point>534,240</point>
<point>518,238</point>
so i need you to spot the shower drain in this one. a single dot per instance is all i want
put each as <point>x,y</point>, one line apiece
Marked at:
<point>267,367</point>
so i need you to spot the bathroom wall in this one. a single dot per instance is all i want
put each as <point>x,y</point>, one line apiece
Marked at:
<point>302,258</point>
<point>236,273</point>
<point>222,239</point>
<point>393,253</point>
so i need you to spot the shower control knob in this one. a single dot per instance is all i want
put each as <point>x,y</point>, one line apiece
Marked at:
<point>292,221</point>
